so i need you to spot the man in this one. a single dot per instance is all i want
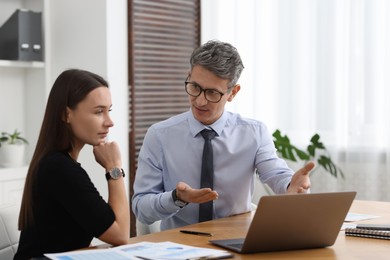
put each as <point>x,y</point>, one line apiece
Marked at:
<point>168,181</point>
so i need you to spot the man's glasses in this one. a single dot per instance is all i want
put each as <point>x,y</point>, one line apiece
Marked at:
<point>211,95</point>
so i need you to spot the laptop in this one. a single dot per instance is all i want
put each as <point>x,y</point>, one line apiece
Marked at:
<point>293,221</point>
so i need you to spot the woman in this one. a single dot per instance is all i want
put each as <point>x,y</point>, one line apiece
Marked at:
<point>61,209</point>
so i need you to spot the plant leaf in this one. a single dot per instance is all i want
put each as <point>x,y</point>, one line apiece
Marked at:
<point>314,145</point>
<point>12,138</point>
<point>329,166</point>
<point>288,152</point>
<point>286,149</point>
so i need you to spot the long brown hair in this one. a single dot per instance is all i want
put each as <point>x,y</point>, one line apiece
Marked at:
<point>70,88</point>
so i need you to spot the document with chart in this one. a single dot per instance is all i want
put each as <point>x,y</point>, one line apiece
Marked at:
<point>144,250</point>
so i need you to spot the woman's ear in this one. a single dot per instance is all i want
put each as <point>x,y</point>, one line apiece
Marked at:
<point>67,115</point>
<point>234,92</point>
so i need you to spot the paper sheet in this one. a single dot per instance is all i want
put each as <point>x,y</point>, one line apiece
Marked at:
<point>357,217</point>
<point>144,250</point>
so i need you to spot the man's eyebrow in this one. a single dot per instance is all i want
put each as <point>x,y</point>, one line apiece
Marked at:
<point>196,83</point>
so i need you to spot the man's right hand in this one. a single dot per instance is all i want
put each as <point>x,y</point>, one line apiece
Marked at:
<point>185,193</point>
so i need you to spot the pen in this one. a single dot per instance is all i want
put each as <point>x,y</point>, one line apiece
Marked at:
<point>196,233</point>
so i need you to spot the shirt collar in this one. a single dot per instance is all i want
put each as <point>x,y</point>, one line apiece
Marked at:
<point>196,126</point>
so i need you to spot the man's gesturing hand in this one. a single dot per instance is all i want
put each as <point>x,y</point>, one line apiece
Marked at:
<point>300,181</point>
<point>186,193</point>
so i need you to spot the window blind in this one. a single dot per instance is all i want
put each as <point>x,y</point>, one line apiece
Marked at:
<point>162,36</point>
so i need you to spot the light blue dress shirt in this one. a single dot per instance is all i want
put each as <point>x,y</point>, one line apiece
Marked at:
<point>172,152</point>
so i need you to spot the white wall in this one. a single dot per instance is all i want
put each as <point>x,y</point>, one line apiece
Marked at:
<point>92,35</point>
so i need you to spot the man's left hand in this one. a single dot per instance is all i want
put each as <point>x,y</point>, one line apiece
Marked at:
<point>300,181</point>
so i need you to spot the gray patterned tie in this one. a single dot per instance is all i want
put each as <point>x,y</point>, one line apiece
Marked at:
<point>206,181</point>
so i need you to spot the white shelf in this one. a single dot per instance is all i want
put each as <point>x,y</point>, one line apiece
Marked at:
<point>12,184</point>
<point>21,64</point>
<point>83,40</point>
<point>23,84</point>
<point>7,174</point>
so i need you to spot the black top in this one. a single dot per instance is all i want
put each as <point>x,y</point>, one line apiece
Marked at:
<point>68,209</point>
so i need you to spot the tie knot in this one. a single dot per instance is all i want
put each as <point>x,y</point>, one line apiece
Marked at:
<point>207,134</point>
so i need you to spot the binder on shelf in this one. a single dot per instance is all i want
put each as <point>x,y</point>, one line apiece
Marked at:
<point>21,36</point>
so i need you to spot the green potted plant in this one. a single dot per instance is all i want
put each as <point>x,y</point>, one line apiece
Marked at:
<point>315,151</point>
<point>12,149</point>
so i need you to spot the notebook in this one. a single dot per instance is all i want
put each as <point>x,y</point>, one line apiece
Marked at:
<point>293,221</point>
<point>380,231</point>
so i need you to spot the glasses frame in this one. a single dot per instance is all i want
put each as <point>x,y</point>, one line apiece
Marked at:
<point>204,91</point>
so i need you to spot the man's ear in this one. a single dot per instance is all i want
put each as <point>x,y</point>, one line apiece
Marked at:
<point>234,92</point>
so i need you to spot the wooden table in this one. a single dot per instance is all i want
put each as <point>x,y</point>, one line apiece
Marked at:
<point>345,247</point>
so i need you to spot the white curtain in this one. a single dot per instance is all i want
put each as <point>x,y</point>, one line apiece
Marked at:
<point>316,66</point>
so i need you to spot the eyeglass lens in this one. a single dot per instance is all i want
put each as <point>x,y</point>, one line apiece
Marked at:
<point>210,94</point>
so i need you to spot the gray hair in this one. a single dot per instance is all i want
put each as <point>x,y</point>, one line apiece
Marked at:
<point>220,58</point>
